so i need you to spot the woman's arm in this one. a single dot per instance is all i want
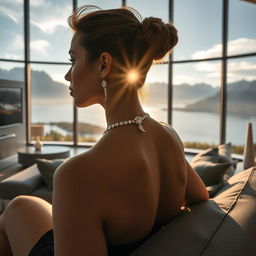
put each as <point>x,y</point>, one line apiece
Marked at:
<point>77,218</point>
<point>196,190</point>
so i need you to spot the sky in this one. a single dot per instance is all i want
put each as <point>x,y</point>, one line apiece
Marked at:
<point>198,22</point>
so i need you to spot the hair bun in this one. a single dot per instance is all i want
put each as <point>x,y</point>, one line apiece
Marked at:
<point>160,37</point>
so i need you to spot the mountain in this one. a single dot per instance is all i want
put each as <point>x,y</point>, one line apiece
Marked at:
<point>241,99</point>
<point>43,87</point>
<point>198,97</point>
<point>16,74</point>
<point>185,93</point>
<point>182,94</point>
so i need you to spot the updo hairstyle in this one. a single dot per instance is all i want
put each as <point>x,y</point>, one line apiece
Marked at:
<point>122,33</point>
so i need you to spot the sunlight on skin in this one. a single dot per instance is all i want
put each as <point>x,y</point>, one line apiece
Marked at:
<point>132,76</point>
<point>131,73</point>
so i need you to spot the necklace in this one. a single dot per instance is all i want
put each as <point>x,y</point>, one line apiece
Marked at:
<point>137,120</point>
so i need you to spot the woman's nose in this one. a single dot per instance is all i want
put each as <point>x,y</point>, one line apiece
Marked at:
<point>67,76</point>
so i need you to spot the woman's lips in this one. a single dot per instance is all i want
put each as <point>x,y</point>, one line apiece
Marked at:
<point>71,91</point>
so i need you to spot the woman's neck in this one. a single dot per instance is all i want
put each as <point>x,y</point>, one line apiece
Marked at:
<point>123,107</point>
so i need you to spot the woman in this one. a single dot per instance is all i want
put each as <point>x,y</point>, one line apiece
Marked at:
<point>111,198</point>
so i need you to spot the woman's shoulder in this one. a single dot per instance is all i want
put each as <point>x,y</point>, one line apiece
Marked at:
<point>105,156</point>
<point>165,132</point>
<point>169,129</point>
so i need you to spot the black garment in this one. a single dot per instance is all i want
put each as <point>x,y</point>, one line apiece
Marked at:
<point>45,246</point>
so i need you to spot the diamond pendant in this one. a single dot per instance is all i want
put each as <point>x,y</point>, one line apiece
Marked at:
<point>137,120</point>
<point>141,128</point>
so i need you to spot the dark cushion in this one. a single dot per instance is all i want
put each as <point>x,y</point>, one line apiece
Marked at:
<point>210,155</point>
<point>214,166</point>
<point>21,183</point>
<point>43,192</point>
<point>47,169</point>
<point>210,173</point>
<point>225,156</point>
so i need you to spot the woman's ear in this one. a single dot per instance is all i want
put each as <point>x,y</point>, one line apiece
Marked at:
<point>105,64</point>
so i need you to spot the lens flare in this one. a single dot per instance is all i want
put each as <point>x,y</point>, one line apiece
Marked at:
<point>132,76</point>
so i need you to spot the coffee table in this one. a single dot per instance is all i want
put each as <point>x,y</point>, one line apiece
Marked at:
<point>28,155</point>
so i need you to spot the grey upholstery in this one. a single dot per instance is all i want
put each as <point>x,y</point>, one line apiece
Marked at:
<point>26,182</point>
<point>44,193</point>
<point>223,226</point>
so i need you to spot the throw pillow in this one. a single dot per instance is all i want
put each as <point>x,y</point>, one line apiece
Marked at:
<point>218,162</point>
<point>225,156</point>
<point>210,173</point>
<point>47,169</point>
<point>225,150</point>
<point>210,154</point>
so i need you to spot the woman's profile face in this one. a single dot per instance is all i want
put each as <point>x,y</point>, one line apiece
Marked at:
<point>84,76</point>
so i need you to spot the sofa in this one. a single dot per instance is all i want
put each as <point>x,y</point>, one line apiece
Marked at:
<point>225,225</point>
<point>26,182</point>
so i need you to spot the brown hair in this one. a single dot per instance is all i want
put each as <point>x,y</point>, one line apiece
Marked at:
<point>122,33</point>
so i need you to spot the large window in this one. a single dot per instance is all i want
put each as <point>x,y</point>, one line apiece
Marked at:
<point>50,34</point>
<point>242,35</point>
<point>196,84</point>
<point>199,27</point>
<point>241,95</point>
<point>197,77</point>
<point>154,92</point>
<point>11,71</point>
<point>51,104</point>
<point>196,106</point>
<point>91,124</point>
<point>241,78</point>
<point>12,37</point>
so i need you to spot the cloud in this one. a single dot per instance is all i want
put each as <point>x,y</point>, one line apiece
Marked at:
<point>242,66</point>
<point>241,70</point>
<point>186,79</point>
<point>237,70</point>
<point>12,56</point>
<point>37,3</point>
<point>15,16</point>
<point>215,51</point>
<point>12,10</point>
<point>238,46</point>
<point>40,46</point>
<point>49,21</point>
<point>207,66</point>
<point>241,45</point>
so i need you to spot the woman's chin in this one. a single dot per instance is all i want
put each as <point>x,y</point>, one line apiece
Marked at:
<point>82,104</point>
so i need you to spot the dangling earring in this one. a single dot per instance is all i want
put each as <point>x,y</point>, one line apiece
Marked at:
<point>104,85</point>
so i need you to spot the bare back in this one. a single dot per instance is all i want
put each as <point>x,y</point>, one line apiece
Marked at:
<point>143,176</point>
<point>147,175</point>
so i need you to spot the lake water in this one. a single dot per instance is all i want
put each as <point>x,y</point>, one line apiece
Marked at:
<point>191,126</point>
